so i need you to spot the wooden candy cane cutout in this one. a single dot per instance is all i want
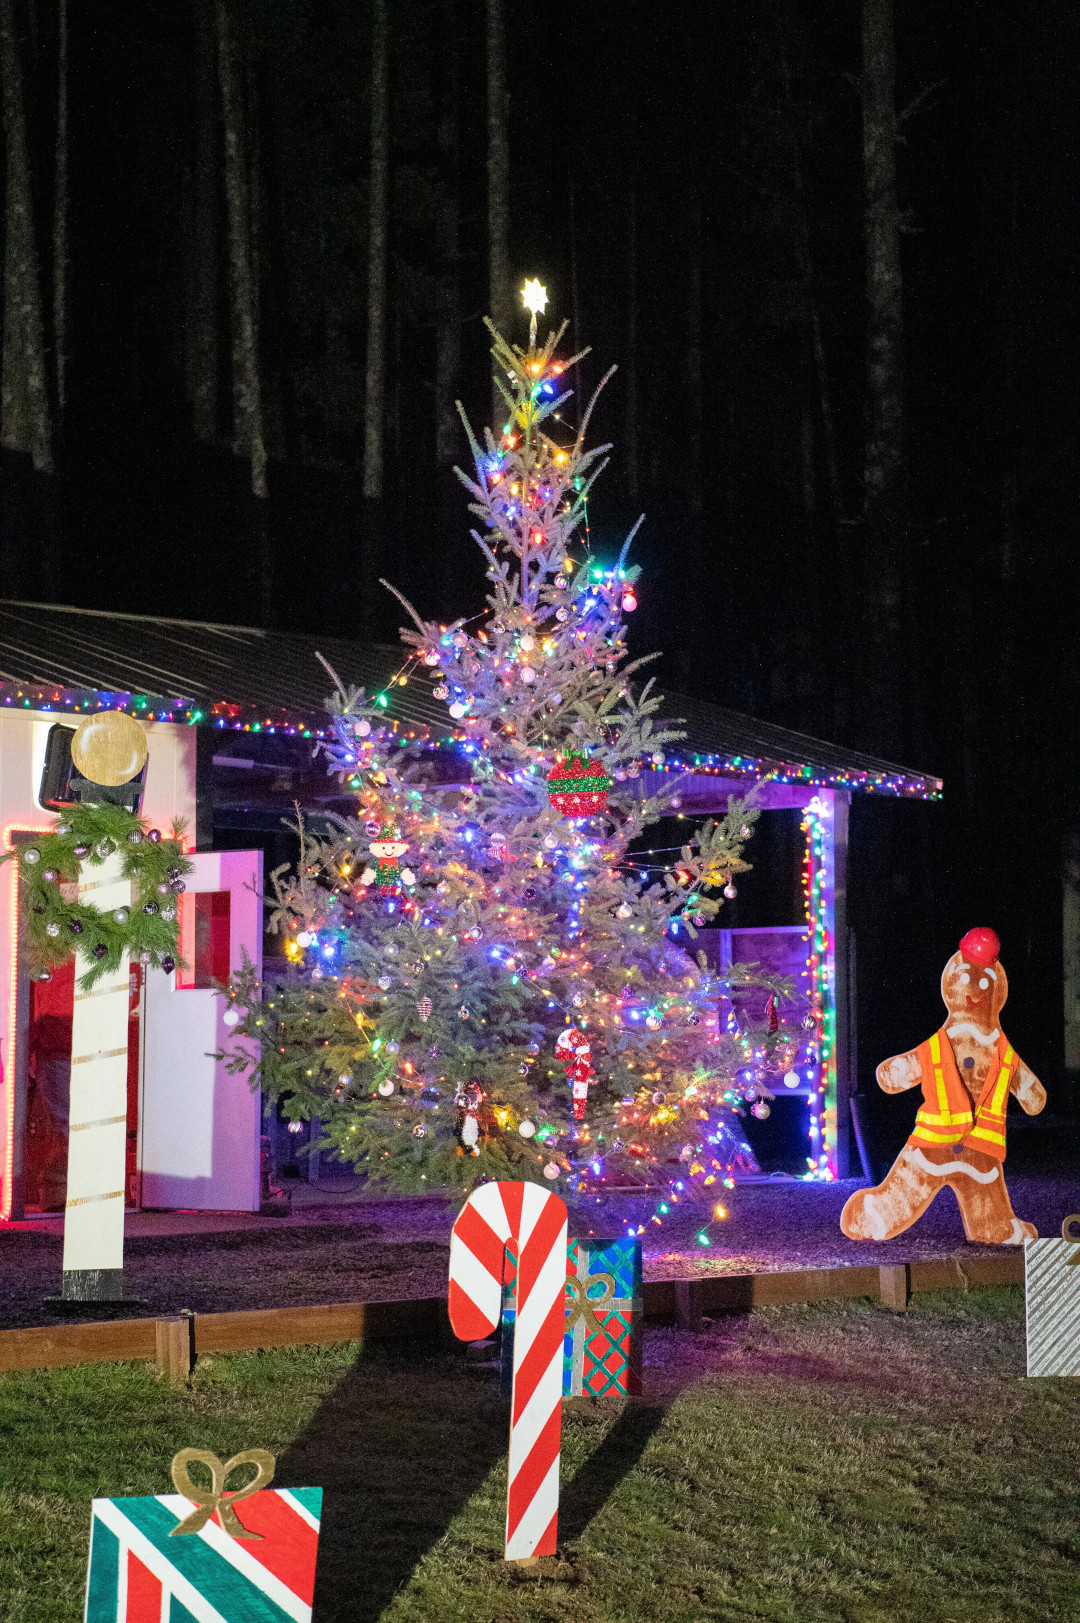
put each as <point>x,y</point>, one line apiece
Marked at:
<point>535,1220</point>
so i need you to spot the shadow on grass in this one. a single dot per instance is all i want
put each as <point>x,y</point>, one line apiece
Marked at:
<point>399,1447</point>
<point>589,1491</point>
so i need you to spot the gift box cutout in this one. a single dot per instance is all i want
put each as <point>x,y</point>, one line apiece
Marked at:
<point>602,1343</point>
<point>141,1573</point>
<point>1052,1281</point>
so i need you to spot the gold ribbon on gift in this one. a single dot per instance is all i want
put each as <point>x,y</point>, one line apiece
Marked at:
<point>584,1306</point>
<point>215,1497</point>
<point>1074,1260</point>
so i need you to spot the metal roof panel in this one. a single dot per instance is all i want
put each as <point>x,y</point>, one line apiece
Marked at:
<point>245,678</point>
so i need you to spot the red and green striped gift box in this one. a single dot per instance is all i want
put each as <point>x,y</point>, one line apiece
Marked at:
<point>139,1574</point>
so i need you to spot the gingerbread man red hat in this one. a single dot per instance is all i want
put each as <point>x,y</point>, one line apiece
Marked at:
<point>981,946</point>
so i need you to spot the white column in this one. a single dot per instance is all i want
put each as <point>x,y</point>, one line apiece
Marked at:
<point>97,1146</point>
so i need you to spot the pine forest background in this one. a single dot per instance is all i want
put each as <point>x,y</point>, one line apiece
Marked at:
<point>248,246</point>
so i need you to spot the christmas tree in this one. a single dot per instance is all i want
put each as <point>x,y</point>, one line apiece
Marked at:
<point>482,985</point>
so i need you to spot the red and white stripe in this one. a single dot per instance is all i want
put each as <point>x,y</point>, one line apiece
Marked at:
<point>535,1220</point>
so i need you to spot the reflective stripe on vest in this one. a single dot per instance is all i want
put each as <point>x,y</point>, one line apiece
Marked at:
<point>989,1126</point>
<point>943,1116</point>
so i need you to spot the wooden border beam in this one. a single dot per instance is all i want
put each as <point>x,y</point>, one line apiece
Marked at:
<point>172,1340</point>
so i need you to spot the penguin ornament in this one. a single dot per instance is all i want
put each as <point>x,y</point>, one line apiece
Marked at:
<point>468,1099</point>
<point>967,1071</point>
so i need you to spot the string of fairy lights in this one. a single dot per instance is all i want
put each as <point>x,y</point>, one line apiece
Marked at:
<point>625,1008</point>
<point>818,1163</point>
<point>468,674</point>
<point>816,878</point>
<point>223,714</point>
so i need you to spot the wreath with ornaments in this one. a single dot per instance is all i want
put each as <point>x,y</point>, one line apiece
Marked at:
<point>54,929</point>
<point>54,926</point>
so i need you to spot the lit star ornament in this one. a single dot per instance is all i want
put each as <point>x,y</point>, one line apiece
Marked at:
<point>534,297</point>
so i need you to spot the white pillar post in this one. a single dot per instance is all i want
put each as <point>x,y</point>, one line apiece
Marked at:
<point>97,1146</point>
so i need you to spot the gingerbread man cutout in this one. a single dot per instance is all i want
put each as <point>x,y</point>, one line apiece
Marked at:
<point>967,1071</point>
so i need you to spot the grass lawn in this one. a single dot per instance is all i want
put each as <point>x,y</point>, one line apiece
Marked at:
<point>835,1462</point>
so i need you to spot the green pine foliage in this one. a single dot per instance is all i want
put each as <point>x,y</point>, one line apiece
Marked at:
<point>443,939</point>
<point>54,928</point>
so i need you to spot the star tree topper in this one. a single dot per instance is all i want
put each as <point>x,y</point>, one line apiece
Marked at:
<point>534,297</point>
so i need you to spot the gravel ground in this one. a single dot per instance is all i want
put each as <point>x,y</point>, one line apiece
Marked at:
<point>381,1250</point>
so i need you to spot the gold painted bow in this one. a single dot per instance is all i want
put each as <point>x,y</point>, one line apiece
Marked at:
<point>1074,1260</point>
<point>215,1497</point>
<point>584,1306</point>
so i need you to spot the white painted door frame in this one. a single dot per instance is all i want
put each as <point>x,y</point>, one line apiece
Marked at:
<point>199,1127</point>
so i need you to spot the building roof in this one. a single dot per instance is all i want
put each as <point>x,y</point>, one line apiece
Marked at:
<point>241,678</point>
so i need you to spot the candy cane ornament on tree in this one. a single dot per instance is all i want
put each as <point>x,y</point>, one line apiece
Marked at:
<point>574,1050</point>
<point>535,1220</point>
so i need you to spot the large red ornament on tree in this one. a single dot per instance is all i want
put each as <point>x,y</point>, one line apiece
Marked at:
<point>577,787</point>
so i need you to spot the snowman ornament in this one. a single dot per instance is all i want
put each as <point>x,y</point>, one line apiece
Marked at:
<point>388,875</point>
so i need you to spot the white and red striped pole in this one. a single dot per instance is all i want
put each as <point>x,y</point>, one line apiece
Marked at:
<point>535,1220</point>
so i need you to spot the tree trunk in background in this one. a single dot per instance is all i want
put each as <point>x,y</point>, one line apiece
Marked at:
<point>575,301</point>
<point>632,79</point>
<point>804,260</point>
<point>378,265</point>
<point>448,282</point>
<point>378,254</point>
<point>60,210</point>
<point>25,423</point>
<point>884,506</point>
<point>248,437</point>
<point>630,369</point>
<point>498,184</point>
<point>201,272</point>
<point>448,311</point>
<point>695,371</point>
<point>828,552</point>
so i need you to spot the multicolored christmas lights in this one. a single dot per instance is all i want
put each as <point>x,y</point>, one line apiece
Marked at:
<point>819,880</point>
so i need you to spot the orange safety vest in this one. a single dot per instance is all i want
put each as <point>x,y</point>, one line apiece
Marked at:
<point>946,1116</point>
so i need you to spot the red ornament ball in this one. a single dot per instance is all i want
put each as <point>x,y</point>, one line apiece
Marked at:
<point>981,946</point>
<point>577,787</point>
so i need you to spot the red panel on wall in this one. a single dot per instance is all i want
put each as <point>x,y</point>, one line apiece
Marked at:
<point>205,924</point>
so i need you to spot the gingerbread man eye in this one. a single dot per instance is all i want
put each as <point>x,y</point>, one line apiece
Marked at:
<point>964,980</point>
<point>983,984</point>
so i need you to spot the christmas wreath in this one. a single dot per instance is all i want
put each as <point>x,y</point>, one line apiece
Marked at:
<point>54,928</point>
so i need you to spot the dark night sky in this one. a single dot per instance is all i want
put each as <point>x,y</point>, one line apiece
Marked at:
<point>682,116</point>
